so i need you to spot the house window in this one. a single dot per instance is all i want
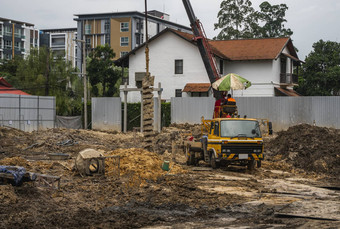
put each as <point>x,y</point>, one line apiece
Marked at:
<point>124,26</point>
<point>124,41</point>
<point>123,53</point>
<point>221,67</point>
<point>199,94</point>
<point>178,93</point>
<point>178,66</point>
<point>87,29</point>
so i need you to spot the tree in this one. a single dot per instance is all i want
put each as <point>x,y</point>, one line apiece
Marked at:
<point>42,73</point>
<point>273,17</point>
<point>321,71</point>
<point>233,18</point>
<point>238,19</point>
<point>103,75</point>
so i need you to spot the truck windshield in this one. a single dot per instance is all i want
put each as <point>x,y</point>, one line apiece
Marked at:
<point>240,128</point>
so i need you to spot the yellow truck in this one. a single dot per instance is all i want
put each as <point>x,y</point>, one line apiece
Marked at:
<point>228,141</point>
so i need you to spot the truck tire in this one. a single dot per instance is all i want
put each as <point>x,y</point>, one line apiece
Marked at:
<point>191,160</point>
<point>258,164</point>
<point>251,165</point>
<point>187,152</point>
<point>213,162</point>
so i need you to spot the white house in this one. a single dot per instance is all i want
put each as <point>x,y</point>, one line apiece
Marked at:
<point>176,63</point>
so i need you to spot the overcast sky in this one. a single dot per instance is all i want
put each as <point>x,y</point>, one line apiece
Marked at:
<point>310,20</point>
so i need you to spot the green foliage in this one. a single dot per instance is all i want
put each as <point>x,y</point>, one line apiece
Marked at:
<point>321,71</point>
<point>233,18</point>
<point>44,74</point>
<point>133,115</point>
<point>166,114</point>
<point>103,75</point>
<point>238,19</point>
<point>273,17</point>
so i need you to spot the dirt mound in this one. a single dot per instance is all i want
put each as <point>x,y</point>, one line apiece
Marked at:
<point>7,194</point>
<point>307,147</point>
<point>140,163</point>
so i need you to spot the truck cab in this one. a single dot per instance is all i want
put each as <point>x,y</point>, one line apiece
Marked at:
<point>227,141</point>
<point>234,141</point>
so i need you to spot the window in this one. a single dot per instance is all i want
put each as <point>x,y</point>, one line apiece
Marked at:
<point>8,56</point>
<point>178,93</point>
<point>199,94</point>
<point>88,43</point>
<point>123,53</point>
<point>124,41</point>
<point>107,38</point>
<point>216,129</point>
<point>87,29</point>
<point>8,44</point>
<point>124,26</point>
<point>107,26</point>
<point>178,66</point>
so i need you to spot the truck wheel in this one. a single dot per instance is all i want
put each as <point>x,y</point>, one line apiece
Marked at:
<point>258,164</point>
<point>213,162</point>
<point>188,157</point>
<point>251,165</point>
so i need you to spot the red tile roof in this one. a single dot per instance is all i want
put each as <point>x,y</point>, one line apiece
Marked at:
<point>6,88</point>
<point>247,49</point>
<point>197,87</point>
<point>253,49</point>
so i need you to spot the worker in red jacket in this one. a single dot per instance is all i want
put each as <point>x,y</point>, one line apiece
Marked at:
<point>218,105</point>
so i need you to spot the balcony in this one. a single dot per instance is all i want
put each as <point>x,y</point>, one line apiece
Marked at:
<point>288,79</point>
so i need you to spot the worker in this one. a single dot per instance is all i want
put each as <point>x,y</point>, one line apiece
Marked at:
<point>218,105</point>
<point>230,100</point>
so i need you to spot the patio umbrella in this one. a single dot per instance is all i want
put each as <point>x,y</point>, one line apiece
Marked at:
<point>231,81</point>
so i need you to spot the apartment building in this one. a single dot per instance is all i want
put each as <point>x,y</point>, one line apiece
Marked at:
<point>16,38</point>
<point>61,42</point>
<point>123,31</point>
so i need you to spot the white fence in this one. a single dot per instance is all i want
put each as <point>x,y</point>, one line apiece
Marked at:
<point>26,112</point>
<point>282,111</point>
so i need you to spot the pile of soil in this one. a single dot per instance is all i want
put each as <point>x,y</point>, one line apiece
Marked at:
<point>310,148</point>
<point>144,164</point>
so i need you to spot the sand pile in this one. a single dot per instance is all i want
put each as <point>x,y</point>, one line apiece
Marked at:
<point>141,163</point>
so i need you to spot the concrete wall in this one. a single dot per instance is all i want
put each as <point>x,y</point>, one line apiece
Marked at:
<point>27,113</point>
<point>282,111</point>
<point>260,73</point>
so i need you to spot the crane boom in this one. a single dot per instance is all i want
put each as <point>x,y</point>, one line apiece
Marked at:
<point>202,43</point>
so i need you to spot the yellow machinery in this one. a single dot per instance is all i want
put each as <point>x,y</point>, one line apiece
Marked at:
<point>228,141</point>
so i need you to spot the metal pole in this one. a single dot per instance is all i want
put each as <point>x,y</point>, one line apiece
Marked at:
<point>125,107</point>
<point>146,40</point>
<point>85,84</point>
<point>159,107</point>
<point>141,111</point>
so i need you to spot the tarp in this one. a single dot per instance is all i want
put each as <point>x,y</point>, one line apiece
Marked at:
<point>17,172</point>
<point>71,122</point>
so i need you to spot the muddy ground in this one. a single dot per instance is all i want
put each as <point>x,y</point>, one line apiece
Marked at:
<point>297,185</point>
